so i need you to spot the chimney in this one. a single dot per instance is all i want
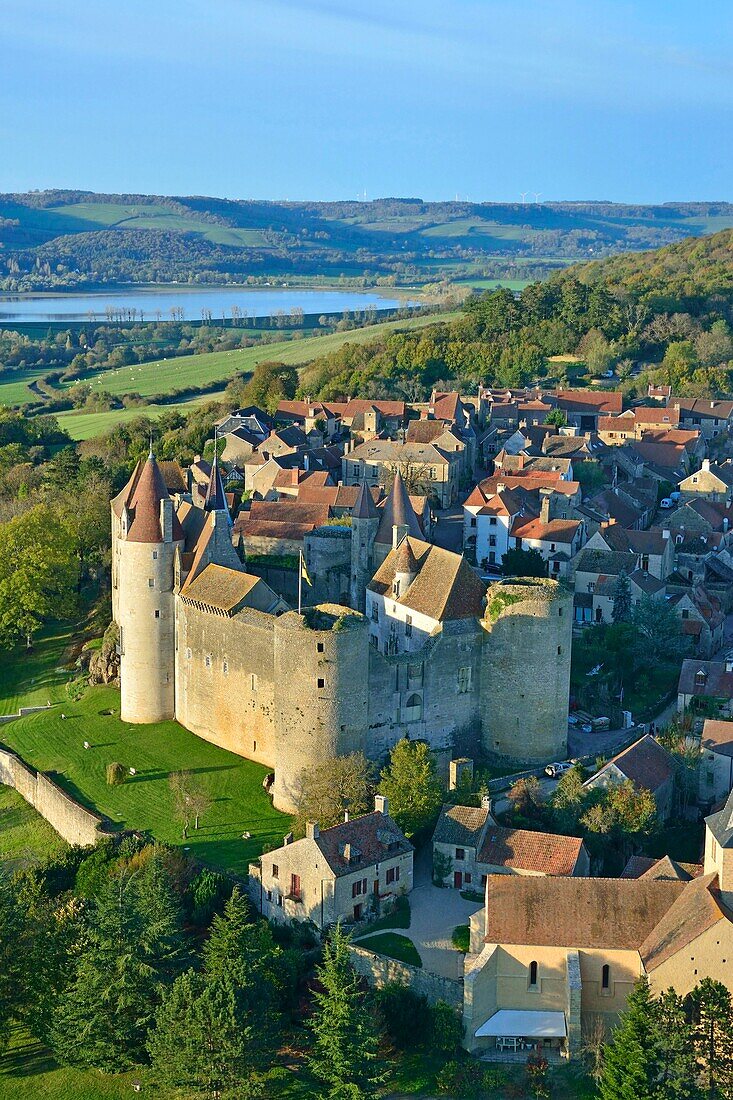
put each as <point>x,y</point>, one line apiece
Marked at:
<point>312,831</point>
<point>486,802</point>
<point>545,508</point>
<point>380,804</point>
<point>729,664</point>
<point>705,464</point>
<point>294,477</point>
<point>346,815</point>
<point>287,839</point>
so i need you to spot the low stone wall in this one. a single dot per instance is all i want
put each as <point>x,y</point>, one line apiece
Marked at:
<point>4,718</point>
<point>71,821</point>
<point>379,970</point>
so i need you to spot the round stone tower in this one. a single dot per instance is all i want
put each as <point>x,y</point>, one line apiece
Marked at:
<point>145,537</point>
<point>525,675</point>
<point>321,692</point>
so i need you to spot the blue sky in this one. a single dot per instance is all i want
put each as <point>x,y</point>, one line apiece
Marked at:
<point>319,99</point>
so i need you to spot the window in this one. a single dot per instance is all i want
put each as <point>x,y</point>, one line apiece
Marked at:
<point>533,975</point>
<point>559,612</point>
<point>269,895</point>
<point>225,668</point>
<point>207,661</point>
<point>559,651</point>
<point>319,647</point>
<point>701,678</point>
<point>492,521</point>
<point>155,554</point>
<point>359,887</point>
<point>375,612</point>
<point>151,582</point>
<point>685,613</point>
<point>253,682</point>
<point>464,680</point>
<point>295,892</point>
<point>467,877</point>
<point>275,871</point>
<point>473,521</point>
<point>606,978</point>
<point>483,880</point>
<point>321,682</point>
<point>393,875</point>
<point>413,708</point>
<point>492,540</point>
<point>157,614</point>
<point>460,854</point>
<point>591,586</point>
<point>408,626</point>
<point>188,654</point>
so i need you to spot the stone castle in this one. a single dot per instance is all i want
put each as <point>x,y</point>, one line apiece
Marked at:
<point>423,652</point>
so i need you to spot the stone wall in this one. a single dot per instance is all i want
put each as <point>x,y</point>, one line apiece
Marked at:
<point>4,718</point>
<point>379,970</point>
<point>71,821</point>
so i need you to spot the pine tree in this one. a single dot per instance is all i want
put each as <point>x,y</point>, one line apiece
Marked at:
<point>11,925</point>
<point>678,1071</point>
<point>411,784</point>
<point>346,1037</point>
<point>631,1066</point>
<point>712,1019</point>
<point>621,612</point>
<point>202,1037</point>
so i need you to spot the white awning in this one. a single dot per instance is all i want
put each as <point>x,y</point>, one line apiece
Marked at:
<point>528,1023</point>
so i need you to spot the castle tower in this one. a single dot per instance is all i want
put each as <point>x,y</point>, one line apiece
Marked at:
<point>364,524</point>
<point>321,707</point>
<point>145,537</point>
<point>405,568</point>
<point>397,520</point>
<point>525,675</point>
<point>216,500</point>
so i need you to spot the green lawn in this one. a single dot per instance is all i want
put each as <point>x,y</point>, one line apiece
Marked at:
<point>81,425</point>
<point>24,835</point>
<point>393,946</point>
<point>239,803</point>
<point>30,679</point>
<point>14,386</point>
<point>28,1072</point>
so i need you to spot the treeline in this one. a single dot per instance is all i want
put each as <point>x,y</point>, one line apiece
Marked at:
<point>669,311</point>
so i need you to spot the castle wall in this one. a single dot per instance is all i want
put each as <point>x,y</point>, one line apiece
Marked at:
<point>328,557</point>
<point>225,679</point>
<point>525,681</point>
<point>145,618</point>
<point>444,676</point>
<point>322,690</point>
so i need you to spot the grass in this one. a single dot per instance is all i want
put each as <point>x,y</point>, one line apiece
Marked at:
<point>144,802</point>
<point>29,679</point>
<point>83,425</point>
<point>15,390</point>
<point>393,946</point>
<point>24,835</point>
<point>165,375</point>
<point>461,938</point>
<point>400,917</point>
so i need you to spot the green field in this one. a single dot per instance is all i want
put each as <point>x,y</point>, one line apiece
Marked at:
<point>32,679</point>
<point>24,835</point>
<point>15,391</point>
<point>152,216</point>
<point>81,425</point>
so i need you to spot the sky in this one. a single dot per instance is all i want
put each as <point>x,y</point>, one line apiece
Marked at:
<point>486,100</point>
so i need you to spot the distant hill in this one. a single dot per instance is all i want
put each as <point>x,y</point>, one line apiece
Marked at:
<point>67,239</point>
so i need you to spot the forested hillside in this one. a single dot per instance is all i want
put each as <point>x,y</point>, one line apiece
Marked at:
<point>67,239</point>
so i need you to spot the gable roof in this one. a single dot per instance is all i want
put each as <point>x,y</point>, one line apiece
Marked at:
<point>646,763</point>
<point>560,911</point>
<point>372,837</point>
<point>460,825</point>
<point>718,736</point>
<point>547,853</point>
<point>694,911</point>
<point>445,586</point>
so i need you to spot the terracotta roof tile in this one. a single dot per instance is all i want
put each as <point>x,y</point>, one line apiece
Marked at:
<point>373,837</point>
<point>694,911</point>
<point>547,853</point>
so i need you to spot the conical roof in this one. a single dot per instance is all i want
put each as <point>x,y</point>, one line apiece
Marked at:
<point>142,496</point>
<point>406,561</point>
<point>365,508</point>
<point>398,512</point>
<point>215,499</point>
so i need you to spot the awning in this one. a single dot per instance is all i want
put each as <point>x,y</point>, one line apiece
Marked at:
<point>529,1024</point>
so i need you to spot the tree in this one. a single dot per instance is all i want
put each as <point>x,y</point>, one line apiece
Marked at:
<point>523,563</point>
<point>10,959</point>
<point>345,1035</point>
<point>622,599</point>
<point>412,787</point>
<point>712,1022</point>
<point>632,1059</point>
<point>270,384</point>
<point>337,784</point>
<point>37,574</point>
<point>557,417</point>
<point>658,629</point>
<point>677,1055</point>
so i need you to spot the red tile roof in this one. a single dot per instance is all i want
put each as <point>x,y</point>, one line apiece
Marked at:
<point>546,853</point>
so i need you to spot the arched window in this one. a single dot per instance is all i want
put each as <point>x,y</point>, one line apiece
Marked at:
<point>606,978</point>
<point>532,974</point>
<point>413,708</point>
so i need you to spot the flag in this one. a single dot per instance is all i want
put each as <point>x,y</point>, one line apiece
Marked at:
<point>304,572</point>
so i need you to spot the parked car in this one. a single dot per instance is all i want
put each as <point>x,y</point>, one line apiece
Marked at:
<point>556,770</point>
<point>573,720</point>
<point>586,727</point>
<point>666,502</point>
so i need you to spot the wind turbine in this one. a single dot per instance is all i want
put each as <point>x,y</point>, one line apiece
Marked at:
<point>524,196</point>
<point>537,195</point>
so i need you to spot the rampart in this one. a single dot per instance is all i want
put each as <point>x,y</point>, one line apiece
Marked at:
<point>71,821</point>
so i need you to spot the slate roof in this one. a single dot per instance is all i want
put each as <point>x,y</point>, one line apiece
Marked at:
<point>719,683</point>
<point>397,511</point>
<point>607,562</point>
<point>721,824</point>
<point>374,837</point>
<point>445,586</point>
<point>546,853</point>
<point>142,497</point>
<point>576,912</point>
<point>461,826</point>
<point>364,506</point>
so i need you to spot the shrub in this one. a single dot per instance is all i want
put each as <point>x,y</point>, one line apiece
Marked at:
<point>406,1015</point>
<point>469,1079</point>
<point>462,938</point>
<point>446,1029</point>
<point>442,867</point>
<point>115,775</point>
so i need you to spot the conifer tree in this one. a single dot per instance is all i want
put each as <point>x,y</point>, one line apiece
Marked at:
<point>621,612</point>
<point>712,1020</point>
<point>10,959</point>
<point>632,1066</point>
<point>346,1037</point>
<point>678,1075</point>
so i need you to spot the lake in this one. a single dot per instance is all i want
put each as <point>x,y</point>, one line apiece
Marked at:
<point>150,304</point>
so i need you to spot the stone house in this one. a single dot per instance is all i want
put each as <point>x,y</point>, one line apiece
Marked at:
<point>474,846</point>
<point>716,761</point>
<point>348,872</point>
<point>711,482</point>
<point>437,471</point>
<point>701,620</point>
<point>711,680</point>
<point>647,765</point>
<point>596,574</point>
<point>654,549</point>
<point>711,417</point>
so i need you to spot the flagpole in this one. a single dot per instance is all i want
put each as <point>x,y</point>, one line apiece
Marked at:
<point>300,577</point>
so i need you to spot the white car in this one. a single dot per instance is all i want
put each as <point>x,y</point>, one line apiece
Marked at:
<point>556,770</point>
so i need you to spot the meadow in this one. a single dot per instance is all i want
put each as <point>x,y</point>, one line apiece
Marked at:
<point>83,425</point>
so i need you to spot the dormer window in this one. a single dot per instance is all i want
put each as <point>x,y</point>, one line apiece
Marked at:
<point>701,678</point>
<point>396,588</point>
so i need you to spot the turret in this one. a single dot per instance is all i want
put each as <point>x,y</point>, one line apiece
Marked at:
<point>364,524</point>
<point>405,568</point>
<point>398,519</point>
<point>215,497</point>
<point>145,537</point>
